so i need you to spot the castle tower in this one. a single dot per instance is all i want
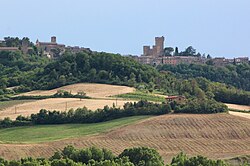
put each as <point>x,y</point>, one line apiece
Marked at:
<point>159,44</point>
<point>146,50</point>
<point>25,45</point>
<point>53,39</point>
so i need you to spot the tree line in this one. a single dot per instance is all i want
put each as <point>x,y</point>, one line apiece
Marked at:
<point>235,75</point>
<point>83,115</point>
<point>93,156</point>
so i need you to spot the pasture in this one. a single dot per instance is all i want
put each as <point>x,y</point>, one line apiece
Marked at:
<point>46,133</point>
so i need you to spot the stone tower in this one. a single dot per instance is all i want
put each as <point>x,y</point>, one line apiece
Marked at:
<point>159,43</point>
<point>25,45</point>
<point>53,39</point>
<point>146,50</point>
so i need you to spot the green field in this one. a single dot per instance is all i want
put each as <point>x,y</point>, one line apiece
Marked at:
<point>46,133</point>
<point>6,104</point>
<point>138,95</point>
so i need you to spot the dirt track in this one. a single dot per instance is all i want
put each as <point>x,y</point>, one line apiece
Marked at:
<point>215,136</point>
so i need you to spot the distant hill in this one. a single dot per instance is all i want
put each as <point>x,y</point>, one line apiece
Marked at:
<point>34,72</point>
<point>235,75</point>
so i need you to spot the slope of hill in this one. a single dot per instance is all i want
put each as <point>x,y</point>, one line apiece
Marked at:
<point>92,90</point>
<point>214,136</point>
<point>101,93</point>
<point>24,72</point>
<point>59,104</point>
<point>235,75</point>
<point>49,133</point>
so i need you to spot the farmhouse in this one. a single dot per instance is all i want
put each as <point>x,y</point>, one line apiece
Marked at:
<point>178,99</point>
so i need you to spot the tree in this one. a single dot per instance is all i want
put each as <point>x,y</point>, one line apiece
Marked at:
<point>103,74</point>
<point>3,83</point>
<point>92,74</point>
<point>81,95</point>
<point>209,56</point>
<point>176,52</point>
<point>62,80</point>
<point>143,156</point>
<point>190,51</point>
<point>168,51</point>
<point>132,80</point>
<point>68,151</point>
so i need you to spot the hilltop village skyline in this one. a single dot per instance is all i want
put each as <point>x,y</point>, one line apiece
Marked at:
<point>155,55</point>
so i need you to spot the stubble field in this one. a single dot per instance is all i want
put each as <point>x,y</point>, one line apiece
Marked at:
<point>99,92</point>
<point>214,136</point>
<point>91,89</point>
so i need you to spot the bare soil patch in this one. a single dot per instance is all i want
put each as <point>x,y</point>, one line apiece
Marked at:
<point>214,136</point>
<point>91,90</point>
<point>59,104</point>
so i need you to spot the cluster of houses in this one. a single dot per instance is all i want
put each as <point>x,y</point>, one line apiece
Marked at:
<point>224,61</point>
<point>53,50</point>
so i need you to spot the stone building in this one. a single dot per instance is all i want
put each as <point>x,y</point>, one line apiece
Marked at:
<point>155,55</point>
<point>222,61</point>
<point>77,49</point>
<point>157,50</point>
<point>178,99</point>
<point>52,49</point>
<point>241,60</point>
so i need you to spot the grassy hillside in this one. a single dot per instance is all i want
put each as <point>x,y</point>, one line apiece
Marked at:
<point>45,133</point>
<point>139,95</point>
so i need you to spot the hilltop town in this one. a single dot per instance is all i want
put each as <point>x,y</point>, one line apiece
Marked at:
<point>50,49</point>
<point>157,55</point>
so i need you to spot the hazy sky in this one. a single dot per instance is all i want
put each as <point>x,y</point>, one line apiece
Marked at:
<point>217,27</point>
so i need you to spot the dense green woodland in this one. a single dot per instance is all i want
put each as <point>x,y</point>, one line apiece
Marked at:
<point>235,75</point>
<point>139,156</point>
<point>29,72</point>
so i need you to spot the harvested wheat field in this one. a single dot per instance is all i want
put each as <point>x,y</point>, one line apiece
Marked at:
<point>241,114</point>
<point>59,104</point>
<point>91,90</point>
<point>213,135</point>
<point>238,107</point>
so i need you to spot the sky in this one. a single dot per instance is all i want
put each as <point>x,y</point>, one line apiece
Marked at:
<point>220,28</point>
